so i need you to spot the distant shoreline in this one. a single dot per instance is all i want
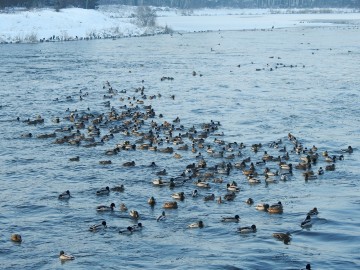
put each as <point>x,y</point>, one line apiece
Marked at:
<point>114,22</point>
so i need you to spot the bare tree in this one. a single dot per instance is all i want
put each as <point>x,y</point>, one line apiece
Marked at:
<point>145,16</point>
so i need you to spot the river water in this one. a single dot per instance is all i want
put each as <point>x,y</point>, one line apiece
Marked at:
<point>260,85</point>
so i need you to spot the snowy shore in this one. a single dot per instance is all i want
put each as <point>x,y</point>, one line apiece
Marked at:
<point>26,26</point>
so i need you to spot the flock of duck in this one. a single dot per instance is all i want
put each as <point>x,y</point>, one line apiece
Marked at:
<point>214,159</point>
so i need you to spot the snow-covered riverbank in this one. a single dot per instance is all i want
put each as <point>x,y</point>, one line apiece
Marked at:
<point>118,21</point>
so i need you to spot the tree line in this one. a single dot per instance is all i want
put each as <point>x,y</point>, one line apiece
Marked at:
<point>184,4</point>
<point>188,4</point>
<point>57,4</point>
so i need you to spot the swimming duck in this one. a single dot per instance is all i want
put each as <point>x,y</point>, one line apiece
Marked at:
<point>249,201</point>
<point>170,205</point>
<point>160,182</point>
<point>247,229</point>
<point>105,162</point>
<point>286,166</point>
<point>236,218</point>
<point>308,267</point>
<point>129,164</point>
<point>270,179</point>
<point>284,177</point>
<point>137,227</point>
<point>65,195</point>
<point>309,176</point>
<point>330,167</point>
<point>162,172</point>
<point>106,208</point>
<point>262,207</point>
<point>97,227</point>
<point>320,171</point>
<point>253,180</point>
<point>118,188</point>
<point>128,230</point>
<point>202,184</point>
<point>267,172</point>
<point>313,212</point>
<point>307,222</point>
<point>134,214</point>
<point>195,193</point>
<point>285,237</point>
<point>198,224</point>
<point>162,217</point>
<point>234,188</point>
<point>103,191</point>
<point>230,196</point>
<point>209,197</point>
<point>16,238</point>
<point>219,200</point>
<point>275,208</point>
<point>178,196</point>
<point>152,201</point>
<point>77,158</point>
<point>123,207</point>
<point>348,150</point>
<point>64,256</point>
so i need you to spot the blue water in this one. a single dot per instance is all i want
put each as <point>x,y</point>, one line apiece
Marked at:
<point>260,85</point>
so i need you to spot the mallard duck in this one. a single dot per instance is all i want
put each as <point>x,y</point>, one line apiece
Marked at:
<point>64,256</point>
<point>249,201</point>
<point>313,212</point>
<point>77,158</point>
<point>209,197</point>
<point>162,172</point>
<point>320,171</point>
<point>267,172</point>
<point>161,217</point>
<point>128,230</point>
<point>202,184</point>
<point>251,229</point>
<point>105,162</point>
<point>134,214</point>
<point>178,196</point>
<point>170,205</point>
<point>309,176</point>
<point>270,179</point>
<point>123,207</point>
<point>348,150</point>
<point>152,201</point>
<point>160,182</point>
<point>285,237</point>
<point>230,196</point>
<point>198,224</point>
<point>233,188</point>
<point>105,207</point>
<point>16,238</point>
<point>287,167</point>
<point>137,227</point>
<point>253,180</point>
<point>236,218</point>
<point>262,207</point>
<point>129,164</point>
<point>275,208</point>
<point>65,195</point>
<point>97,227</point>
<point>118,188</point>
<point>307,222</point>
<point>103,191</point>
<point>330,167</point>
